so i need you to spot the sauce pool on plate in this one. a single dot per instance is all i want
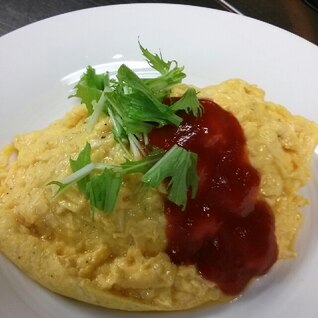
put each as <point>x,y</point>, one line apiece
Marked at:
<point>226,231</point>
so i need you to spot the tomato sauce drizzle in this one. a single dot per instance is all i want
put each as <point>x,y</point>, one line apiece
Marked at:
<point>225,230</point>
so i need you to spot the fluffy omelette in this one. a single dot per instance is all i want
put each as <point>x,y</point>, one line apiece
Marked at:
<point>118,260</point>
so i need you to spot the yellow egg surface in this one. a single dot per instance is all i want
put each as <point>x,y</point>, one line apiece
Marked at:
<point>118,260</point>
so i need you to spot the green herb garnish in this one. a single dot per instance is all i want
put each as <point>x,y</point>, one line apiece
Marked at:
<point>133,104</point>
<point>83,159</point>
<point>90,87</point>
<point>104,189</point>
<point>177,165</point>
<point>135,107</point>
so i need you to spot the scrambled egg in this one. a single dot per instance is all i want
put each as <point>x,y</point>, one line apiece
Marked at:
<point>117,260</point>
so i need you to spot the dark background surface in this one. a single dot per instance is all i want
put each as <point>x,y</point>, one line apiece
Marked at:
<point>293,15</point>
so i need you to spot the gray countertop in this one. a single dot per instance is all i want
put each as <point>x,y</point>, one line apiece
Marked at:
<point>293,15</point>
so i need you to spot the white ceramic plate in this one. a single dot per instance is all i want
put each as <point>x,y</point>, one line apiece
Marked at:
<point>39,64</point>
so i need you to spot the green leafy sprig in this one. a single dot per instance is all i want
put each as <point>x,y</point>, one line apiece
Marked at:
<point>135,107</point>
<point>133,104</point>
<point>102,189</point>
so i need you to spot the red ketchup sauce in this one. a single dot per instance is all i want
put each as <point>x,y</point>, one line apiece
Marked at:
<point>225,231</point>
